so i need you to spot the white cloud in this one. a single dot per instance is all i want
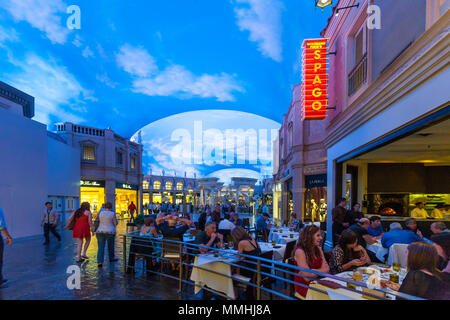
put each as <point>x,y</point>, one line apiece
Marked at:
<point>106,80</point>
<point>136,61</point>
<point>87,52</point>
<point>56,90</point>
<point>77,41</point>
<point>44,15</point>
<point>8,35</point>
<point>262,18</point>
<point>175,80</point>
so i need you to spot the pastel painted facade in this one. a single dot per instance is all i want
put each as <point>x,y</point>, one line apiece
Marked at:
<point>111,166</point>
<point>386,84</point>
<point>301,153</point>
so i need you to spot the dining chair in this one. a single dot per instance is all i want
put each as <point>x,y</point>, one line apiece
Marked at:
<point>292,292</point>
<point>171,252</point>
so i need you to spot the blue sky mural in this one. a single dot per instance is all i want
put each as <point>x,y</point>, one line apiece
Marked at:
<point>136,62</point>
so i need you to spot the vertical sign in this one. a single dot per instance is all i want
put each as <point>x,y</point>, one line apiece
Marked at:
<point>315,79</point>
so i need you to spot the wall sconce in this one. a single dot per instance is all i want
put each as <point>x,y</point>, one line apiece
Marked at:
<point>338,9</point>
<point>323,3</point>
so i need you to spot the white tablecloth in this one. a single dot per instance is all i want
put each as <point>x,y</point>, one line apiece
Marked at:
<point>284,237</point>
<point>343,294</point>
<point>214,281</point>
<point>278,253</point>
<point>378,249</point>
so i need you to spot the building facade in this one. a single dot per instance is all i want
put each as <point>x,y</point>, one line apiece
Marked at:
<point>388,139</point>
<point>176,190</point>
<point>36,166</point>
<point>111,166</point>
<point>299,180</point>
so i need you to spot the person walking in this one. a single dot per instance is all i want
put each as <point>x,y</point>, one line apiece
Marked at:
<point>50,221</point>
<point>132,209</point>
<point>106,233</point>
<point>82,229</point>
<point>4,230</point>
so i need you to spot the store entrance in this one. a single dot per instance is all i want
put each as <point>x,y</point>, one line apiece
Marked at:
<point>95,197</point>
<point>123,200</point>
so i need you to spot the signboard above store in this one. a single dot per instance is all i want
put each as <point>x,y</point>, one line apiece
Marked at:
<point>316,180</point>
<point>126,186</point>
<point>315,79</point>
<point>92,183</point>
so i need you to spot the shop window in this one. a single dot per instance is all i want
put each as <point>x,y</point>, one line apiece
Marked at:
<point>179,186</point>
<point>168,185</point>
<point>88,153</point>
<point>145,184</point>
<point>157,185</point>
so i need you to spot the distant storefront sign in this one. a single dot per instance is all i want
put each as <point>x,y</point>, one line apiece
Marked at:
<point>316,180</point>
<point>126,186</point>
<point>315,79</point>
<point>92,183</point>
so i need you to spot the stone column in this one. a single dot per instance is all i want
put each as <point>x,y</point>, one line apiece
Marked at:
<point>110,193</point>
<point>237,198</point>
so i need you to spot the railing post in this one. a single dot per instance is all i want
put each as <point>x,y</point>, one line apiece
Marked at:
<point>258,280</point>
<point>180,284</point>
<point>124,252</point>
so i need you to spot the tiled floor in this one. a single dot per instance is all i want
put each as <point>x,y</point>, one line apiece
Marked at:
<point>36,271</point>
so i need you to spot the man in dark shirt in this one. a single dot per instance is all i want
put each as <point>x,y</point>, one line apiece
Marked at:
<point>209,237</point>
<point>354,215</point>
<point>360,228</point>
<point>339,216</point>
<point>364,238</point>
<point>168,226</point>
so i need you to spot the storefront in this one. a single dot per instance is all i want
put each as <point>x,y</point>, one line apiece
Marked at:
<point>315,198</point>
<point>391,174</point>
<point>277,201</point>
<point>125,194</point>
<point>92,191</point>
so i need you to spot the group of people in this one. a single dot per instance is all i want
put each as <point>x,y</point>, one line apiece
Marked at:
<point>428,265</point>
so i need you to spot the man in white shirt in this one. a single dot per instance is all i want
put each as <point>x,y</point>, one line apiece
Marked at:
<point>419,212</point>
<point>226,224</point>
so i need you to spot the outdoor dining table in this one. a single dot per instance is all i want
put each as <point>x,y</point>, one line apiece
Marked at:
<point>283,237</point>
<point>219,264</point>
<point>378,249</point>
<point>212,280</point>
<point>343,293</point>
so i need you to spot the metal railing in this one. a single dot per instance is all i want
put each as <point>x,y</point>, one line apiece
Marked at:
<point>357,76</point>
<point>268,276</point>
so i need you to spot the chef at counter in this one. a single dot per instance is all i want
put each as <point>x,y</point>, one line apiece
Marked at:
<point>419,212</point>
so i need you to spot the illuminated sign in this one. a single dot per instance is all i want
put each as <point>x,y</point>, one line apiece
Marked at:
<point>126,186</point>
<point>315,79</point>
<point>92,183</point>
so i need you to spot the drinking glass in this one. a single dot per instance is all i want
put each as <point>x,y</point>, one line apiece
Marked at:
<point>396,266</point>
<point>393,277</point>
<point>274,242</point>
<point>357,276</point>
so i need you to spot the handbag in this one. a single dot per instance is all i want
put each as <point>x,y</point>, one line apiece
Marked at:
<point>70,223</point>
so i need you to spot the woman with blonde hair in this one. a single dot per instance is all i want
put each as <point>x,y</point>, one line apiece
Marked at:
<point>423,279</point>
<point>82,229</point>
<point>309,255</point>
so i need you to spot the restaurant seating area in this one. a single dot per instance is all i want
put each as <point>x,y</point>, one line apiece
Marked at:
<point>224,273</point>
